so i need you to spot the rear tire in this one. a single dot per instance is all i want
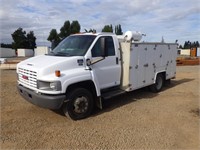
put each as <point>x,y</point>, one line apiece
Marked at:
<point>80,104</point>
<point>157,87</point>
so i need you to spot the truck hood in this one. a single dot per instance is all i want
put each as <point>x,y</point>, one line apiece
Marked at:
<point>45,64</point>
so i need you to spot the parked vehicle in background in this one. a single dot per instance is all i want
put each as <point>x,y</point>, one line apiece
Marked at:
<point>2,60</point>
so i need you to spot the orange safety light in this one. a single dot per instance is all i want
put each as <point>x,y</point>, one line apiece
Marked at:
<point>57,73</point>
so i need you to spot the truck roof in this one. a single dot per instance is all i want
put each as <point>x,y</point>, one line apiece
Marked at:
<point>99,33</point>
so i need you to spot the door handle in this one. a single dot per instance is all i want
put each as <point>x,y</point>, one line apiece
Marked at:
<point>117,60</point>
<point>146,65</point>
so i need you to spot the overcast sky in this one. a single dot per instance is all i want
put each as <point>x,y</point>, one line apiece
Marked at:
<point>172,19</point>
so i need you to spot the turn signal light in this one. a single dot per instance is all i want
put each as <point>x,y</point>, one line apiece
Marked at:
<point>57,73</point>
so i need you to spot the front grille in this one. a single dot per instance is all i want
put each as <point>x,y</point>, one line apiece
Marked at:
<point>28,77</point>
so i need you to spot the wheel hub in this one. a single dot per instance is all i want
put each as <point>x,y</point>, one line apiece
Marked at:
<point>81,105</point>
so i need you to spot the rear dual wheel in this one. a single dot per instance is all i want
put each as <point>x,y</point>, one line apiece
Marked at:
<point>79,105</point>
<point>157,87</point>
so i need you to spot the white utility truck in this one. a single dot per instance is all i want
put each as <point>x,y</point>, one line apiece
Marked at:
<point>86,68</point>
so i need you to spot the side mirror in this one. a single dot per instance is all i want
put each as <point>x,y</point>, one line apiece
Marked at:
<point>88,62</point>
<point>103,47</point>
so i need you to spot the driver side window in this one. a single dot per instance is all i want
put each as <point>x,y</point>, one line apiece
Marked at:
<point>109,47</point>
<point>96,50</point>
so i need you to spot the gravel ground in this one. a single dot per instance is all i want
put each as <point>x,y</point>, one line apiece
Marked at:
<point>137,120</point>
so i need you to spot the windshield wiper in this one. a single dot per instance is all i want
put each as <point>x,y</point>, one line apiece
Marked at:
<point>51,53</point>
<point>61,54</point>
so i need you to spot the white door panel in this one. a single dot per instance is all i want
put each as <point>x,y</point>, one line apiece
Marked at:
<point>108,70</point>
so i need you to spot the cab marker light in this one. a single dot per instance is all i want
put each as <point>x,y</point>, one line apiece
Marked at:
<point>57,73</point>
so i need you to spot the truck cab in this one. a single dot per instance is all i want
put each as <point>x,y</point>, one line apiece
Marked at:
<point>73,75</point>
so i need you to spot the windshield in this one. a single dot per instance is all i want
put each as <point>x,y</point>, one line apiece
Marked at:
<point>76,45</point>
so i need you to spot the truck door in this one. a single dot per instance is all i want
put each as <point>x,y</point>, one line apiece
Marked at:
<point>107,70</point>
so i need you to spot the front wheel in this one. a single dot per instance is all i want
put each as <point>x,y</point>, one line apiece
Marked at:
<point>157,87</point>
<point>80,104</point>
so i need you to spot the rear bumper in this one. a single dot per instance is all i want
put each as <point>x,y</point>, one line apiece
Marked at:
<point>45,101</point>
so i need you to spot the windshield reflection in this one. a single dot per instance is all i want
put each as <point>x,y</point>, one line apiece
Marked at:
<point>75,45</point>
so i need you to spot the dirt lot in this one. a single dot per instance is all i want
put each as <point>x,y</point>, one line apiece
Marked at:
<point>138,120</point>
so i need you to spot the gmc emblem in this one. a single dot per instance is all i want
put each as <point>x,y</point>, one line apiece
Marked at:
<point>25,77</point>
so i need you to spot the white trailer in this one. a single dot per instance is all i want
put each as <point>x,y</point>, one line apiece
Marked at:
<point>25,53</point>
<point>185,52</point>
<point>41,50</point>
<point>86,68</point>
<point>7,52</point>
<point>198,51</point>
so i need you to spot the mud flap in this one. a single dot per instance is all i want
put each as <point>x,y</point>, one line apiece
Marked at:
<point>99,102</point>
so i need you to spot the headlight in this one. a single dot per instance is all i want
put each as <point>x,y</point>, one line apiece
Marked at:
<point>54,86</point>
<point>49,86</point>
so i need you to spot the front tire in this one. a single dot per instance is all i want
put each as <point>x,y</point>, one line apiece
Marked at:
<point>157,87</point>
<point>80,104</point>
